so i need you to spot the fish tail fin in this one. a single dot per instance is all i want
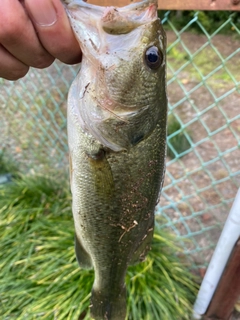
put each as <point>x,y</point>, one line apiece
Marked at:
<point>108,307</point>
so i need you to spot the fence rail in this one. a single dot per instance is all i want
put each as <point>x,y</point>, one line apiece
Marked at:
<point>202,175</point>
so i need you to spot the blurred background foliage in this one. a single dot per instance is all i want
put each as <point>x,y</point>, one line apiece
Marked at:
<point>210,20</point>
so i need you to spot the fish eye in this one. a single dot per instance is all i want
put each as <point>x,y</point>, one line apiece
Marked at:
<point>153,57</point>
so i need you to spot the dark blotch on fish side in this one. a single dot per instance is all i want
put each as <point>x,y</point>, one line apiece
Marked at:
<point>136,139</point>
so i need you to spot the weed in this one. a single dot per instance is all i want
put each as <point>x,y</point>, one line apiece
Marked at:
<point>177,140</point>
<point>7,165</point>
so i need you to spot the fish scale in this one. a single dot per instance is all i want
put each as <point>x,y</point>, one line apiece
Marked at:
<point>117,111</point>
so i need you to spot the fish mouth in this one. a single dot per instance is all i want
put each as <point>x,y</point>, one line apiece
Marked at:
<point>113,20</point>
<point>136,6</point>
<point>117,21</point>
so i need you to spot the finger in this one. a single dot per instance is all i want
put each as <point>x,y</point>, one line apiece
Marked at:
<point>18,36</point>
<point>10,67</point>
<point>54,30</point>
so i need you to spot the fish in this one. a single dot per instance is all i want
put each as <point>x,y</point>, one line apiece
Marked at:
<point>116,123</point>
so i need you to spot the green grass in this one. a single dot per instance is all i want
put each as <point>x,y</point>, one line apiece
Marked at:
<point>39,275</point>
<point>178,143</point>
<point>7,165</point>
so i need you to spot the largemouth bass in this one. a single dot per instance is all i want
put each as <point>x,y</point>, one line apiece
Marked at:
<point>117,111</point>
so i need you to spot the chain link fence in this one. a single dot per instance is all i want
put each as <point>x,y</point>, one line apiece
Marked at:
<point>203,170</point>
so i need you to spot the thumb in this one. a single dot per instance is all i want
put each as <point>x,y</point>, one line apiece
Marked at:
<point>53,28</point>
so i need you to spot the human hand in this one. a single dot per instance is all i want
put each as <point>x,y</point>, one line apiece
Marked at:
<point>32,34</point>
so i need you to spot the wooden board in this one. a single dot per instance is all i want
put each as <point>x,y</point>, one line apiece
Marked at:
<point>198,5</point>
<point>228,289</point>
<point>179,4</point>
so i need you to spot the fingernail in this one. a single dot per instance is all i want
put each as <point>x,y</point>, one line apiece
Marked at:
<point>43,12</point>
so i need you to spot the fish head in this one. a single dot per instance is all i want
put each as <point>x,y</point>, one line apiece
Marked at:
<point>123,67</point>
